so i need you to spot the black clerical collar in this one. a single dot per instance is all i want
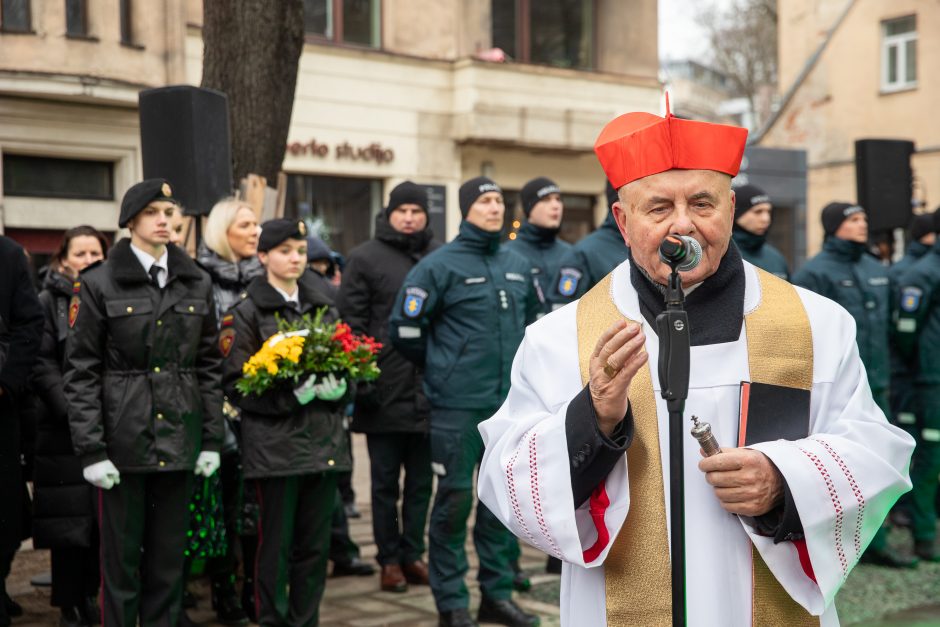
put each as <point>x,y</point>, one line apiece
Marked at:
<point>715,307</point>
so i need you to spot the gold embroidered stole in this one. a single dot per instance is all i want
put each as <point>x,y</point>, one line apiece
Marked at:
<point>637,569</point>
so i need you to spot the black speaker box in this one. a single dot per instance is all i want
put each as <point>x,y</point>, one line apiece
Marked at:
<point>883,180</point>
<point>184,136</point>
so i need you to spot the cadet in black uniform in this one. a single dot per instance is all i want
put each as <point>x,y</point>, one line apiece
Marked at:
<point>144,403</point>
<point>462,313</point>
<point>293,442</point>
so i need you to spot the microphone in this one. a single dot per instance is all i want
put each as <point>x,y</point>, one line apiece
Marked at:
<point>681,252</point>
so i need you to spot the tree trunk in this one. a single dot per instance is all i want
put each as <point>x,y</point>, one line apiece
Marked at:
<point>252,49</point>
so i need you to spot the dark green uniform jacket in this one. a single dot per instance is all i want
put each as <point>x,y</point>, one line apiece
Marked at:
<point>915,250</point>
<point>903,371</point>
<point>918,325</point>
<point>281,437</point>
<point>588,261</point>
<point>462,312</point>
<point>756,250</point>
<point>544,251</point>
<point>844,273</point>
<point>142,365</point>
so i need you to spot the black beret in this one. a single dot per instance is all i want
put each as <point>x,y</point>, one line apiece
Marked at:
<point>535,190</point>
<point>407,193</point>
<point>835,213</point>
<point>142,194</point>
<point>473,189</point>
<point>274,232</point>
<point>747,197</point>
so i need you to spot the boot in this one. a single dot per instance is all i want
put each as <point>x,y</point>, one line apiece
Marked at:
<point>228,609</point>
<point>355,567</point>
<point>505,613</point>
<point>393,580</point>
<point>456,618</point>
<point>926,550</point>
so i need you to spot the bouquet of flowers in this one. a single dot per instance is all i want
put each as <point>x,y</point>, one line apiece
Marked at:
<point>310,346</point>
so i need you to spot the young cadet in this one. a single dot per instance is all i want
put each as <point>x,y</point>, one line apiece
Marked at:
<point>293,439</point>
<point>461,312</point>
<point>144,403</point>
<point>753,215</point>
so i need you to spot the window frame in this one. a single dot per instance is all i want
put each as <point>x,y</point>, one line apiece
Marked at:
<point>898,42</point>
<point>12,192</point>
<point>29,21</point>
<point>523,41</point>
<point>84,30</point>
<point>336,37</point>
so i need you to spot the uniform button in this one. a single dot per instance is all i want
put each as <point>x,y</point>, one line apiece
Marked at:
<point>330,462</point>
<point>159,416</point>
<point>575,463</point>
<point>130,310</point>
<point>191,309</point>
<point>156,369</point>
<point>162,463</point>
<point>159,323</point>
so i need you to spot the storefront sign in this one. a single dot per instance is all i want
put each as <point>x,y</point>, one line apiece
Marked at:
<point>374,152</point>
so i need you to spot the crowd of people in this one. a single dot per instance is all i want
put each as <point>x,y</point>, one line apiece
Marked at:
<point>146,459</point>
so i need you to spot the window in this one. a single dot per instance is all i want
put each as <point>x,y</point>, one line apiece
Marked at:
<point>340,210</point>
<point>550,32</point>
<point>57,178</point>
<point>347,21</point>
<point>76,24</point>
<point>127,28</point>
<point>899,54</point>
<point>14,16</point>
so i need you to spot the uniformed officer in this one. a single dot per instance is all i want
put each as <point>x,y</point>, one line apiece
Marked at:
<point>293,440</point>
<point>917,336</point>
<point>753,214</point>
<point>144,404</point>
<point>590,259</point>
<point>461,313</point>
<point>537,239</point>
<point>843,272</point>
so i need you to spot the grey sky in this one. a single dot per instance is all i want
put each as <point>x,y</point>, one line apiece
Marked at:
<point>680,36</point>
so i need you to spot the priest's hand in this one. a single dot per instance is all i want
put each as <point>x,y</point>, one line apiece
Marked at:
<point>746,482</point>
<point>618,355</point>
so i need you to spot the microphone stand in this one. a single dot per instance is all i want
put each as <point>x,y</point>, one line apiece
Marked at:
<point>672,327</point>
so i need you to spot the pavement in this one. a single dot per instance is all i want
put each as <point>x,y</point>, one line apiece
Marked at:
<point>872,597</point>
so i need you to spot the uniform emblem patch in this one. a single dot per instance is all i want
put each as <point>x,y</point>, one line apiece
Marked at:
<point>415,298</point>
<point>568,281</point>
<point>165,190</point>
<point>73,310</point>
<point>910,298</point>
<point>228,320</point>
<point>226,339</point>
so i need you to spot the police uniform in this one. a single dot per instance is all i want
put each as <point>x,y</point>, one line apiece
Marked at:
<point>539,245</point>
<point>290,452</point>
<point>589,260</point>
<point>755,248</point>
<point>142,384</point>
<point>461,313</point>
<point>917,336</point>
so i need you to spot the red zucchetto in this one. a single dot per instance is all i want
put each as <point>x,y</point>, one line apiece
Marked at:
<point>635,145</point>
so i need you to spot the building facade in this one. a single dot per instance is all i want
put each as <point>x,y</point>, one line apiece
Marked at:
<point>852,70</point>
<point>435,91</point>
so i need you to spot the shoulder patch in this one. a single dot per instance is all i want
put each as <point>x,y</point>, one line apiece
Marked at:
<point>910,298</point>
<point>568,281</point>
<point>228,320</point>
<point>73,309</point>
<point>226,339</point>
<point>413,305</point>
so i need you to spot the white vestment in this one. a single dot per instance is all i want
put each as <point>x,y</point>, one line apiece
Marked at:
<point>843,478</point>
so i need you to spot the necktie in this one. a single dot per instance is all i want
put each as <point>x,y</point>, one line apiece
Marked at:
<point>155,275</point>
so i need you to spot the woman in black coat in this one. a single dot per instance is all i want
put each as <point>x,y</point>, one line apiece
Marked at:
<point>63,518</point>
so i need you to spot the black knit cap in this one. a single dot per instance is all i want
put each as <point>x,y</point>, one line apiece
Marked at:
<point>923,224</point>
<point>274,232</point>
<point>407,193</point>
<point>473,189</point>
<point>835,213</point>
<point>612,195</point>
<point>747,197</point>
<point>536,190</point>
<point>142,194</point>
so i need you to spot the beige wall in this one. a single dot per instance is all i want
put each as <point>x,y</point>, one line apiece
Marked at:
<point>627,37</point>
<point>841,101</point>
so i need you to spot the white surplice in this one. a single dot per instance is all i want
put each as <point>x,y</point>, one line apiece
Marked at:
<point>843,478</point>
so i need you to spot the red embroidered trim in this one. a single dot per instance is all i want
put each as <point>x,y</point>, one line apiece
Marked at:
<point>855,490</point>
<point>514,497</point>
<point>836,505</point>
<point>536,499</point>
<point>598,507</point>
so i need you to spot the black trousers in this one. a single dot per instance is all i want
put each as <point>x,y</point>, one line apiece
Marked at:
<point>343,550</point>
<point>76,574</point>
<point>144,521</point>
<point>293,542</point>
<point>400,538</point>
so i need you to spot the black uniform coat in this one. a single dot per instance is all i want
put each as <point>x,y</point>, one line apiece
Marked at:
<point>281,437</point>
<point>20,333</point>
<point>143,366</point>
<point>375,271</point>
<point>63,513</point>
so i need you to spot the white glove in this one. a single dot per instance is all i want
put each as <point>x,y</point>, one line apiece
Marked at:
<point>102,475</point>
<point>207,463</point>
<point>329,389</point>
<point>306,392</point>
<point>277,337</point>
